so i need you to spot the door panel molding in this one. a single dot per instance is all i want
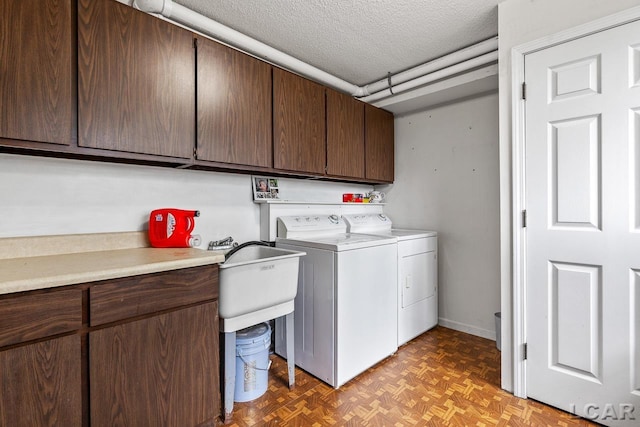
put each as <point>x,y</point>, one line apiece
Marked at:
<point>634,75</point>
<point>634,121</point>
<point>576,78</point>
<point>575,166</point>
<point>634,291</point>
<point>576,288</point>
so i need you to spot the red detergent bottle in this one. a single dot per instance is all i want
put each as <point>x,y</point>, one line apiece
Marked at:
<point>171,228</point>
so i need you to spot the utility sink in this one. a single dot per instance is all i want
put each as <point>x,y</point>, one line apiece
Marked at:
<point>257,283</point>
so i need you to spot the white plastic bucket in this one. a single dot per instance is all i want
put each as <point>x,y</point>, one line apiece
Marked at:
<point>252,362</point>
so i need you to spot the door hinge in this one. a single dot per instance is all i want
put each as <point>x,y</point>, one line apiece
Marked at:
<point>195,43</point>
<point>524,91</point>
<point>524,351</point>
<point>195,152</point>
<point>524,218</point>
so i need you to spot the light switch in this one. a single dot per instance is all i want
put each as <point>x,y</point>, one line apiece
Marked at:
<point>408,281</point>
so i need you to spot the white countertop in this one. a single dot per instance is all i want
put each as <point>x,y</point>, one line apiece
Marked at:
<point>52,270</point>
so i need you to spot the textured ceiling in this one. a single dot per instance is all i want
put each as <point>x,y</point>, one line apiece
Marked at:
<point>359,41</point>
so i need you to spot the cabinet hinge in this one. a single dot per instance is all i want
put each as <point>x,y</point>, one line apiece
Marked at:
<point>524,218</point>
<point>524,91</point>
<point>524,351</point>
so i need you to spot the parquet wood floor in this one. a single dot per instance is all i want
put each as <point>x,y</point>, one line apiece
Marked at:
<point>441,378</point>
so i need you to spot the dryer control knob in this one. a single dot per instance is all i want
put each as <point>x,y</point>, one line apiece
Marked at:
<point>334,218</point>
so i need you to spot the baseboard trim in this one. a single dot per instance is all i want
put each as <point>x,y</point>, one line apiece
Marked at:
<point>469,329</point>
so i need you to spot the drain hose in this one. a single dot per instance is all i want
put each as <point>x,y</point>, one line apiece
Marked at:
<point>244,245</point>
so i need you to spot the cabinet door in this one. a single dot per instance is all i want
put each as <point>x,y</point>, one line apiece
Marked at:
<point>41,385</point>
<point>298,124</point>
<point>37,97</point>
<point>345,135</point>
<point>378,144</point>
<point>234,106</point>
<point>127,297</point>
<point>162,370</point>
<point>136,82</point>
<point>36,315</point>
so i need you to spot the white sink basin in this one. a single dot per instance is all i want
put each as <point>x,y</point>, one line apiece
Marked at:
<point>257,282</point>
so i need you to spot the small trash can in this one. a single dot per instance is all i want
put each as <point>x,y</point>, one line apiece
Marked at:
<point>498,318</point>
<point>252,362</point>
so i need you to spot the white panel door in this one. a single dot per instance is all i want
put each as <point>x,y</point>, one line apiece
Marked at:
<point>583,225</point>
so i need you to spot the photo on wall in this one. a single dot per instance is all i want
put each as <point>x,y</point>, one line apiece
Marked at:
<point>265,188</point>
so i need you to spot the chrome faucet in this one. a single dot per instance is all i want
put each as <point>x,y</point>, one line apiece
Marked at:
<point>222,244</point>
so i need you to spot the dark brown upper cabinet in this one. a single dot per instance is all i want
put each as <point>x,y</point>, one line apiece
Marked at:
<point>106,81</point>
<point>299,132</point>
<point>378,144</point>
<point>136,81</point>
<point>37,69</point>
<point>345,135</point>
<point>233,107</point>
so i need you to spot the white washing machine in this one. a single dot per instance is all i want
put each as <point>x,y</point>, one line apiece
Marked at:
<point>345,317</point>
<point>417,281</point>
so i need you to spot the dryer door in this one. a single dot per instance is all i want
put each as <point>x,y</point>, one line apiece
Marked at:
<point>417,270</point>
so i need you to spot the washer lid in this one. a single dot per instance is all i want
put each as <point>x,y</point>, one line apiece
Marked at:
<point>339,242</point>
<point>407,234</point>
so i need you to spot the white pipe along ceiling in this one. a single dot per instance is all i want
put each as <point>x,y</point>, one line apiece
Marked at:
<point>469,58</point>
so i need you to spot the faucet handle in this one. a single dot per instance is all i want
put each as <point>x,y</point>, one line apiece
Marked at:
<point>227,243</point>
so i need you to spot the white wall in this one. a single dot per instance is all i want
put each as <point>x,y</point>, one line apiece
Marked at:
<point>45,196</point>
<point>447,180</point>
<point>522,21</point>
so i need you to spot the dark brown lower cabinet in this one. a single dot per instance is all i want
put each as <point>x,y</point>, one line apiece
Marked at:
<point>156,371</point>
<point>135,351</point>
<point>41,384</point>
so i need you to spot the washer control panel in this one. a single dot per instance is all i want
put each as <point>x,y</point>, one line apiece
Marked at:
<point>367,222</point>
<point>299,225</point>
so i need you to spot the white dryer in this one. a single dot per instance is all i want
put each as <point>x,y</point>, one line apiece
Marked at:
<point>417,281</point>
<point>346,307</point>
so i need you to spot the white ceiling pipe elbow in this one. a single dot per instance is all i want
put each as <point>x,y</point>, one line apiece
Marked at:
<point>445,61</point>
<point>196,21</point>
<point>437,75</point>
<point>149,6</point>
